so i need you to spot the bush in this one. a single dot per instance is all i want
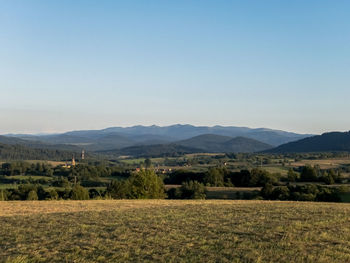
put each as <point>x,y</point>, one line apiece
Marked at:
<point>118,189</point>
<point>266,191</point>
<point>79,193</point>
<point>281,193</point>
<point>292,176</point>
<point>53,195</point>
<point>191,190</point>
<point>95,194</point>
<point>32,195</point>
<point>214,177</point>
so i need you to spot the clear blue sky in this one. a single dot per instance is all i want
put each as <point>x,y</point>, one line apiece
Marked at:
<point>68,65</point>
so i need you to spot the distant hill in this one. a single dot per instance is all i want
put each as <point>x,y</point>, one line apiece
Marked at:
<point>158,150</point>
<point>245,145</point>
<point>327,142</point>
<point>207,143</point>
<point>11,140</point>
<point>119,137</point>
<point>12,148</point>
<point>218,143</point>
<point>37,144</point>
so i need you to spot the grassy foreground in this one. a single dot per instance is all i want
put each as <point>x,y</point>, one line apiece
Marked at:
<point>174,231</point>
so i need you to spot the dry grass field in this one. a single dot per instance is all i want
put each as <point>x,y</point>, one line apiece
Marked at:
<point>174,231</point>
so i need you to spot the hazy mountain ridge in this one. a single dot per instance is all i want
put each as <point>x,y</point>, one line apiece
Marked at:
<point>120,137</point>
<point>182,132</point>
<point>218,143</point>
<point>206,143</point>
<point>156,150</point>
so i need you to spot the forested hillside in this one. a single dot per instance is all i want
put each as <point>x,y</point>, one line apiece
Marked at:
<point>327,142</point>
<point>20,152</point>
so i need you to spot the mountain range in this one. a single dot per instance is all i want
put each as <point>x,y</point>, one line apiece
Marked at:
<point>119,137</point>
<point>179,139</point>
<point>155,140</point>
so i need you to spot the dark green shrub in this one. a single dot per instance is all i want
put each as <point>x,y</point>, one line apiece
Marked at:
<point>32,195</point>
<point>308,174</point>
<point>118,189</point>
<point>79,193</point>
<point>53,195</point>
<point>191,190</point>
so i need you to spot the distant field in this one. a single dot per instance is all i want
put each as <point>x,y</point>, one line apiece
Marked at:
<point>324,164</point>
<point>133,161</point>
<point>276,169</point>
<point>174,231</point>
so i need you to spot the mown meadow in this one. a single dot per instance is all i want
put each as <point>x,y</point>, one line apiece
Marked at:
<point>174,231</point>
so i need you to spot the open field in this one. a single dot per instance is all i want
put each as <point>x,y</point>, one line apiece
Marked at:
<point>276,169</point>
<point>323,163</point>
<point>174,231</point>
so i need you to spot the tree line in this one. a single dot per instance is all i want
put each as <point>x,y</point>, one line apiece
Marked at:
<point>85,182</point>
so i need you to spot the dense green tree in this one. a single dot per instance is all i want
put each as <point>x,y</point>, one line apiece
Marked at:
<point>292,176</point>
<point>266,191</point>
<point>148,163</point>
<point>308,174</point>
<point>145,184</point>
<point>259,177</point>
<point>214,177</point>
<point>327,178</point>
<point>281,193</point>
